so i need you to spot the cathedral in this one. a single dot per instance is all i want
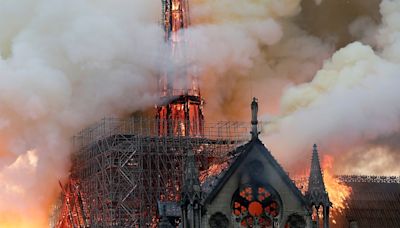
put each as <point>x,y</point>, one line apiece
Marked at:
<point>137,172</point>
<point>254,191</point>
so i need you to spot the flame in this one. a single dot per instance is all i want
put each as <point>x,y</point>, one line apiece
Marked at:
<point>338,191</point>
<point>213,170</point>
<point>175,5</point>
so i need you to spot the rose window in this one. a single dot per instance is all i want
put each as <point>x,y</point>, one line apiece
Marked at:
<point>255,206</point>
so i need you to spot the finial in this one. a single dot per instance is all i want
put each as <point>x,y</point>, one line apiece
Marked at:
<point>315,147</point>
<point>254,120</point>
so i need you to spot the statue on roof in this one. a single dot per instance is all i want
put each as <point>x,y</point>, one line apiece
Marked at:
<point>254,120</point>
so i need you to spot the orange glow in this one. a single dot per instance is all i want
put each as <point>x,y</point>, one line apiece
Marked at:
<point>21,224</point>
<point>212,171</point>
<point>73,207</point>
<point>31,219</point>
<point>21,204</point>
<point>175,5</point>
<point>338,191</point>
<point>255,208</point>
<point>181,118</point>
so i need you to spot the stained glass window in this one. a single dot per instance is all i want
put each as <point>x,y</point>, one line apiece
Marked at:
<point>255,206</point>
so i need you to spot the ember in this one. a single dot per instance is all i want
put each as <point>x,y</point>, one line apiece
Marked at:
<point>213,171</point>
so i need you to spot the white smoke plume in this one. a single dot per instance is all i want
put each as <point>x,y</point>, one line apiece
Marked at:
<point>64,65</point>
<point>351,106</point>
<point>246,48</point>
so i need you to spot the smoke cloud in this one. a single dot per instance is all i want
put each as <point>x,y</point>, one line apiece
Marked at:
<point>64,65</point>
<point>351,105</point>
<point>246,48</point>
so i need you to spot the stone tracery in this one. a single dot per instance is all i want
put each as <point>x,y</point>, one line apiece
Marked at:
<point>255,206</point>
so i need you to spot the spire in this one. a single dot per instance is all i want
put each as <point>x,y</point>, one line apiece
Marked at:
<point>316,186</point>
<point>191,202</point>
<point>254,121</point>
<point>316,193</point>
<point>191,189</point>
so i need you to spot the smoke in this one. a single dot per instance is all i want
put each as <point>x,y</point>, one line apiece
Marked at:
<point>64,65</point>
<point>377,156</point>
<point>351,104</point>
<point>275,50</point>
<point>246,48</point>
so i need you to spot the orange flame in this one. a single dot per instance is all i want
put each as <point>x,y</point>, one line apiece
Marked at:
<point>338,191</point>
<point>175,5</point>
<point>213,170</point>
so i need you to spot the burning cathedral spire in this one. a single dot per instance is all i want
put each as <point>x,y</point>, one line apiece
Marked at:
<point>181,109</point>
<point>140,168</point>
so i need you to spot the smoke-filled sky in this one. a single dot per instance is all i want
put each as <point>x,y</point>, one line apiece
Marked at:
<point>324,71</point>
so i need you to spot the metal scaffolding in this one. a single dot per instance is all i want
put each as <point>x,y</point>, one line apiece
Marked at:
<point>122,167</point>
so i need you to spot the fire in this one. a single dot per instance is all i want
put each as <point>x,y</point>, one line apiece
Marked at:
<point>338,191</point>
<point>213,170</point>
<point>175,5</point>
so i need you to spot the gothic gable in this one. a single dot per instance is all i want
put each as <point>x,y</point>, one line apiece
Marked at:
<point>255,189</point>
